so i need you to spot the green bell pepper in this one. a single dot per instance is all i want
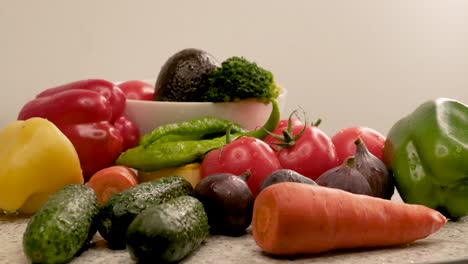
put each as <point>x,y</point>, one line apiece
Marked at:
<point>427,154</point>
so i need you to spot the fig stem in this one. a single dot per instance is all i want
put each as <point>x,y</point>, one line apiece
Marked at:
<point>350,162</point>
<point>245,175</point>
<point>358,141</point>
<point>360,145</point>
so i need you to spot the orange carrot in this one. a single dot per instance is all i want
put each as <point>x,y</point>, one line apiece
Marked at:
<point>295,218</point>
<point>111,180</point>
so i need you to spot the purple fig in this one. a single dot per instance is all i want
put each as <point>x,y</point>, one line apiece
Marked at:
<point>346,177</point>
<point>374,170</point>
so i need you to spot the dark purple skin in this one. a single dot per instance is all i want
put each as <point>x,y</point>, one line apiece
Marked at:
<point>285,175</point>
<point>374,170</point>
<point>228,203</point>
<point>347,178</point>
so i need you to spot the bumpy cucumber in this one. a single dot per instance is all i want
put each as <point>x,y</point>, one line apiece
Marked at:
<point>119,211</point>
<point>64,224</point>
<point>168,232</point>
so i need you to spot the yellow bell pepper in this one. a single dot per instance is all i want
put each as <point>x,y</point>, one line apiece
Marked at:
<point>190,172</point>
<point>37,161</point>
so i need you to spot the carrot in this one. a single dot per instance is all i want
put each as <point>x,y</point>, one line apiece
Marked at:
<point>111,180</point>
<point>295,218</point>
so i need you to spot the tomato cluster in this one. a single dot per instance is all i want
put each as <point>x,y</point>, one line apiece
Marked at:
<point>294,145</point>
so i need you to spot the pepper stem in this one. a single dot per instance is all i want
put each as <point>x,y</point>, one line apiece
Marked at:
<point>270,124</point>
<point>228,134</point>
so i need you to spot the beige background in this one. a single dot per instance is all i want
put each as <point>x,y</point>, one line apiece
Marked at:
<point>348,62</point>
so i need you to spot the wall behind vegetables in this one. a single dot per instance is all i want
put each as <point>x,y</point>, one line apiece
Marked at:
<point>348,62</point>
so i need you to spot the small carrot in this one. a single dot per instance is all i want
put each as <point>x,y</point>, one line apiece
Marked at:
<point>295,218</point>
<point>111,180</point>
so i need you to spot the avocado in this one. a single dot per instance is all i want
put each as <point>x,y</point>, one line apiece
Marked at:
<point>184,76</point>
<point>118,212</point>
<point>168,232</point>
<point>63,226</point>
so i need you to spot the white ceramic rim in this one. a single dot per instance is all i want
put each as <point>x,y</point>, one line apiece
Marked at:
<point>283,93</point>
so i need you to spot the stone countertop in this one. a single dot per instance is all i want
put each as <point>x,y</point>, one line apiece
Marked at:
<point>448,244</point>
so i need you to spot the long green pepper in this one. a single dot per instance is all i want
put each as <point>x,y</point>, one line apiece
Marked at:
<point>193,129</point>
<point>182,143</point>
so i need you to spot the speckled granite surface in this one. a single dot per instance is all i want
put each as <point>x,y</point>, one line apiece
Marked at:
<point>448,244</point>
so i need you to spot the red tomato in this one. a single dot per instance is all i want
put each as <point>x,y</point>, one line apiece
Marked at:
<point>111,180</point>
<point>284,123</point>
<point>241,155</point>
<point>344,141</point>
<point>137,90</point>
<point>310,154</point>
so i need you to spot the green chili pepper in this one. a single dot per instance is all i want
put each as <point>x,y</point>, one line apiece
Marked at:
<point>168,154</point>
<point>195,128</point>
<point>159,154</point>
<point>174,138</point>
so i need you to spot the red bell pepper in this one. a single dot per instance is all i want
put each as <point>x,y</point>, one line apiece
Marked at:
<point>137,90</point>
<point>91,114</point>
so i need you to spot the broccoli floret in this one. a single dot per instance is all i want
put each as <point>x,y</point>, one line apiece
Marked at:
<point>239,79</point>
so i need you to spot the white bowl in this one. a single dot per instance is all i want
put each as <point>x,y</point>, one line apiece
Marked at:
<point>148,115</point>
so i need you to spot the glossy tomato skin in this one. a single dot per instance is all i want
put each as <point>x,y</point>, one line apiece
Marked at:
<point>344,141</point>
<point>241,155</point>
<point>311,154</point>
<point>137,90</point>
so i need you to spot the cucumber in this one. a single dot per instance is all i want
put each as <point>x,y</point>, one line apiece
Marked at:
<point>118,212</point>
<point>63,225</point>
<point>168,232</point>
